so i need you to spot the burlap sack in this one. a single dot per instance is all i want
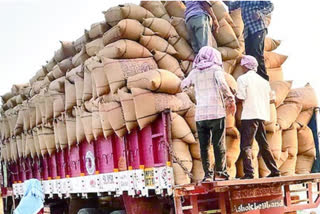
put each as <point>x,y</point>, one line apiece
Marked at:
<point>32,114</point>
<point>306,144</point>
<point>274,60</point>
<point>126,29</point>
<point>238,25</point>
<point>146,114</point>
<point>231,82</point>
<point>31,145</point>
<point>195,150</point>
<point>180,25</point>
<point>238,71</point>
<point>184,50</point>
<point>79,83</point>
<point>290,141</point>
<point>167,62</point>
<point>255,162</point>
<point>197,171</point>
<point>86,119</point>
<point>62,132</point>
<point>175,8</point>
<point>70,94</point>
<point>118,71</point>
<point>96,121</point>
<point>8,150</point>
<point>36,141</point>
<point>271,44</point>
<point>190,118</point>
<point>57,86</point>
<point>158,80</point>
<point>191,93</point>
<point>180,129</point>
<point>58,105</point>
<point>181,152</point>
<point>186,67</point>
<point>116,118</point>
<point>124,49</point>
<point>19,146</point>
<point>106,126</point>
<point>157,43</point>
<point>4,152</point>
<point>66,50</point>
<point>50,64</point>
<point>161,27</point>
<point>40,75</point>
<point>87,82</point>
<point>229,53</point>
<point>93,47</point>
<point>81,41</point>
<point>271,125</point>
<point>6,97</point>
<point>287,114</point>
<point>219,10</point>
<point>156,8</point>
<point>275,142</point>
<point>305,96</point>
<point>288,167</point>
<point>98,29</point>
<point>275,74</point>
<point>128,108</point>
<point>232,150</point>
<point>42,143</point>
<point>19,124</point>
<point>55,130</point>
<point>304,164</point>
<point>71,128</point>
<point>14,149</point>
<point>48,137</point>
<point>60,69</point>
<point>48,99</point>
<point>80,57</point>
<point>80,136</point>
<point>180,177</point>
<point>226,36</point>
<point>229,65</point>
<point>281,89</point>
<point>304,117</point>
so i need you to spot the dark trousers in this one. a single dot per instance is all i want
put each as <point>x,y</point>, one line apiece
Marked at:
<point>251,129</point>
<point>255,47</point>
<point>215,129</point>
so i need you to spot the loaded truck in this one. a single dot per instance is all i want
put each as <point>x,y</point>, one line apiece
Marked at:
<point>106,128</point>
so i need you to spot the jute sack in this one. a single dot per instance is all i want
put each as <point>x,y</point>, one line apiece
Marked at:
<point>14,150</point>
<point>175,8</point>
<point>231,82</point>
<point>55,130</point>
<point>66,50</point>
<point>96,121</point>
<point>80,57</point>
<point>62,132</point>
<point>161,27</point>
<point>305,96</point>
<point>19,124</point>
<point>70,94</point>
<point>290,144</point>
<point>306,144</point>
<point>93,47</point>
<point>79,83</point>
<point>98,29</point>
<point>48,99</point>
<point>275,142</point>
<point>238,71</point>
<point>3,153</point>
<point>81,41</point>
<point>186,67</point>
<point>304,164</point>
<point>26,119</point>
<point>219,10</point>
<point>158,80</point>
<point>190,118</point>
<point>86,119</point>
<point>42,143</point>
<point>195,150</point>
<point>274,60</point>
<point>57,86</point>
<point>180,129</point>
<point>6,97</point>
<point>287,114</point>
<point>226,36</point>
<point>116,118</point>
<point>30,145</point>
<point>40,75</point>
<point>167,62</point>
<point>60,69</point>
<point>255,162</point>
<point>191,93</point>
<point>71,128</point>
<point>229,53</point>
<point>126,29</point>
<point>87,81</point>
<point>275,74</point>
<point>118,71</point>
<point>238,25</point>
<point>304,117</point>
<point>36,141</point>
<point>271,125</point>
<point>8,149</point>
<point>155,42</point>
<point>288,167</point>
<point>100,77</point>
<point>128,108</point>
<point>32,114</point>
<point>197,171</point>
<point>124,49</point>
<point>229,65</point>
<point>271,44</point>
<point>146,114</point>
<point>80,136</point>
<point>106,126</point>
<point>19,146</point>
<point>58,104</point>
<point>184,50</point>
<point>181,152</point>
<point>156,8</point>
<point>50,64</point>
<point>48,137</point>
<point>232,149</point>
<point>180,25</point>
<point>281,89</point>
<point>180,177</point>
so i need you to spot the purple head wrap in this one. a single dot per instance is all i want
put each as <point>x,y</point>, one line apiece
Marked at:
<point>206,58</point>
<point>249,62</point>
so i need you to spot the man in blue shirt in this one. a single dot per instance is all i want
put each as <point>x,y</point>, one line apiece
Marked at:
<point>255,28</point>
<point>198,16</point>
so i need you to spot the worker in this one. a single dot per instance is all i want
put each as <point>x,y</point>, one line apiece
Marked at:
<point>254,93</point>
<point>212,94</point>
<point>255,28</point>
<point>199,16</point>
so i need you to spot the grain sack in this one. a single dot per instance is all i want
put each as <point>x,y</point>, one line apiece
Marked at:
<point>48,99</point>
<point>275,74</point>
<point>71,128</point>
<point>55,130</point>
<point>32,114</point>
<point>158,80</point>
<point>57,86</point>
<point>255,162</point>
<point>181,152</point>
<point>290,144</point>
<point>195,150</point>
<point>8,149</point>
<point>126,29</point>
<point>281,89</point>
<point>190,91</point>
<point>232,150</point>
<point>96,121</point>
<point>167,62</point>
<point>19,146</point>
<point>40,75</point>
<point>70,94</point>
<point>197,171</point>
<point>274,60</point>
<point>86,119</point>
<point>271,44</point>
<point>48,137</point>
<point>80,136</point>
<point>118,71</point>
<point>305,96</point>
<point>62,132</point>
<point>36,141</point>
<point>157,43</point>
<point>81,41</point>
<point>184,50</point>
<point>128,108</point>
<point>180,129</point>
<point>106,126</point>
<point>226,36</point>
<point>275,142</point>
<point>161,27</point>
<point>58,104</point>
<point>238,25</point>
<point>98,29</point>
<point>287,114</point>
<point>146,114</point>
<point>62,67</point>
<point>271,125</point>
<point>19,124</point>
<point>304,117</point>
<point>26,118</point>
<point>67,50</point>
<point>288,167</point>
<point>238,71</point>
<point>99,76</point>
<point>229,53</point>
<point>304,164</point>
<point>3,153</point>
<point>180,177</point>
<point>306,145</point>
<point>31,145</point>
<point>116,118</point>
<point>79,83</point>
<point>80,57</point>
<point>6,97</point>
<point>93,47</point>
<point>175,8</point>
<point>180,25</point>
<point>190,118</point>
<point>156,8</point>
<point>229,65</point>
<point>50,64</point>
<point>231,82</point>
<point>87,82</point>
<point>186,67</point>
<point>14,150</point>
<point>124,49</point>
<point>42,143</point>
<point>219,10</point>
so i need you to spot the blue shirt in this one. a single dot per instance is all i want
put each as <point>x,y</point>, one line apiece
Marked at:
<point>253,14</point>
<point>195,8</point>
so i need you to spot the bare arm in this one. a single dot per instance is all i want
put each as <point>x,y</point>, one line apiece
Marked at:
<point>224,86</point>
<point>187,81</point>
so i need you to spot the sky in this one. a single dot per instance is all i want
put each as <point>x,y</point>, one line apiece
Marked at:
<point>32,29</point>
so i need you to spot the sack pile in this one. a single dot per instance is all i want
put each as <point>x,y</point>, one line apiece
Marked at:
<point>124,71</point>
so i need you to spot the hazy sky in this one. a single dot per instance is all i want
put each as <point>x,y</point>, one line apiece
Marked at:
<point>31,30</point>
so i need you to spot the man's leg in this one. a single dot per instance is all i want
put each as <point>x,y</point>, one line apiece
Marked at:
<point>248,131</point>
<point>204,136</point>
<point>265,150</point>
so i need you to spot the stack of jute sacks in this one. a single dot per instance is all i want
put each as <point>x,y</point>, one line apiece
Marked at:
<point>124,71</point>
